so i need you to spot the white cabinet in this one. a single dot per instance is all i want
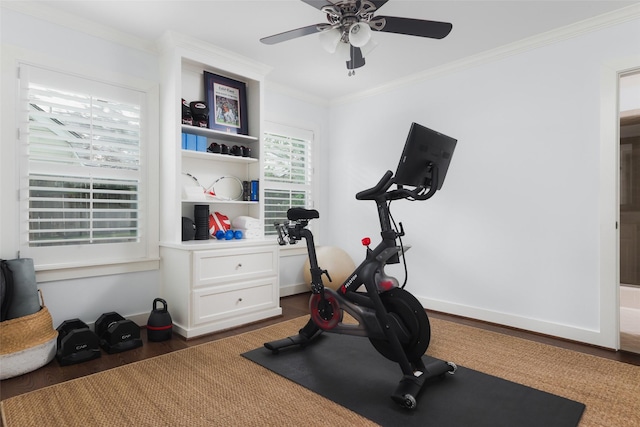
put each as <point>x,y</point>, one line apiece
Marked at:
<point>211,284</point>
<point>224,265</point>
<point>220,287</point>
<point>231,302</point>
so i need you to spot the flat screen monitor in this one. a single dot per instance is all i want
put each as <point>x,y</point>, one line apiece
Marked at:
<point>424,149</point>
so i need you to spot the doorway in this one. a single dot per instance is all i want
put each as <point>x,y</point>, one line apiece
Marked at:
<point>629,199</point>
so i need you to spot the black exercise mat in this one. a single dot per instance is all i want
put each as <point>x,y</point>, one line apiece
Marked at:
<point>349,371</point>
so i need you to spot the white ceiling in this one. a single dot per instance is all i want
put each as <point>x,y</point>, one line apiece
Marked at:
<point>303,65</point>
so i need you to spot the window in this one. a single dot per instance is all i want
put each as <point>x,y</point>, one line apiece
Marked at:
<point>288,172</point>
<point>83,170</point>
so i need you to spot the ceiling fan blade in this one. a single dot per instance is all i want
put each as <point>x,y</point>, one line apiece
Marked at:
<point>292,34</point>
<point>318,4</point>
<point>378,3</point>
<point>357,60</point>
<point>415,27</point>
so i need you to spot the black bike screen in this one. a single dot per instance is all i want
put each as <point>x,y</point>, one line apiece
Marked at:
<point>424,149</point>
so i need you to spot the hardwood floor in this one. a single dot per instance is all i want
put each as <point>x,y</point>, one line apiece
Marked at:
<point>292,307</point>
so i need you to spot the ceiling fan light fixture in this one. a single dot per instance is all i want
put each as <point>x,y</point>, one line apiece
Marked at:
<point>329,39</point>
<point>359,34</point>
<point>344,51</point>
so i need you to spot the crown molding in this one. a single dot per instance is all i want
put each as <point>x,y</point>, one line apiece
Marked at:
<point>596,23</point>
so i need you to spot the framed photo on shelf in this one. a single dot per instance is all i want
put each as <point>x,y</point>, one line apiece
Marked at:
<point>227,100</point>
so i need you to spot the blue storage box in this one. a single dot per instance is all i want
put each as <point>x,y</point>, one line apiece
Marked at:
<point>191,142</point>
<point>201,143</point>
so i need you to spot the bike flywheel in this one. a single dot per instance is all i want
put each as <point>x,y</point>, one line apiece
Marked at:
<point>411,315</point>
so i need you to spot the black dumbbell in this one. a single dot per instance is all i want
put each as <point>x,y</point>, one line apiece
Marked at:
<point>117,333</point>
<point>214,147</point>
<point>236,150</point>
<point>76,343</point>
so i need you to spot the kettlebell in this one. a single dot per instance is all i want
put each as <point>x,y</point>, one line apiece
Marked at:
<point>159,325</point>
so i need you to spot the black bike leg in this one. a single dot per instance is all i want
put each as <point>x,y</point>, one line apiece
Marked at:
<point>310,330</point>
<point>306,335</point>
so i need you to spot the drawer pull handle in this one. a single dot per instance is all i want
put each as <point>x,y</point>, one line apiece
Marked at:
<point>238,266</point>
<point>239,299</point>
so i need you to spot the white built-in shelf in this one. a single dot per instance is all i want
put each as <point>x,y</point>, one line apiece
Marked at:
<point>203,297</point>
<point>209,200</point>
<point>219,135</point>
<point>215,156</point>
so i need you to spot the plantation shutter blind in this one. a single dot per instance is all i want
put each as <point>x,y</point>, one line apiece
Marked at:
<point>288,171</point>
<point>82,158</point>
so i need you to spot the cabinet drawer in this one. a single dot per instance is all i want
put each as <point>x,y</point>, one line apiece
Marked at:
<point>219,302</point>
<point>212,267</point>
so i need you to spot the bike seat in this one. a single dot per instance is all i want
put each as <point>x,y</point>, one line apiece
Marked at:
<point>295,214</point>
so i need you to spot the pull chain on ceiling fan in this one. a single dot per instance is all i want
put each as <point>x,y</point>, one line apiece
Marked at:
<point>350,25</point>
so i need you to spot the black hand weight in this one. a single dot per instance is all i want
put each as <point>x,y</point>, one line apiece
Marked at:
<point>117,333</point>
<point>159,325</point>
<point>76,343</point>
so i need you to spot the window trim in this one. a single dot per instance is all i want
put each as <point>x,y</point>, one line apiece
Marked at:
<point>11,221</point>
<point>302,131</point>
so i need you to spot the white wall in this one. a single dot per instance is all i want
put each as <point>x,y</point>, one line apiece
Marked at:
<point>513,237</point>
<point>24,36</point>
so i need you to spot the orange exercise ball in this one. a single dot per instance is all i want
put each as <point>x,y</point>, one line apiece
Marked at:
<point>336,261</point>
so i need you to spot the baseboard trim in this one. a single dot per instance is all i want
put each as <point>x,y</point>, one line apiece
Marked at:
<point>294,289</point>
<point>568,332</point>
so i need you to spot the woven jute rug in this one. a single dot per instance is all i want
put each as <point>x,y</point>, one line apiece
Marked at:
<point>213,385</point>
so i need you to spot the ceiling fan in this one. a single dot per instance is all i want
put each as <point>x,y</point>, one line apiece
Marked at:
<point>350,24</point>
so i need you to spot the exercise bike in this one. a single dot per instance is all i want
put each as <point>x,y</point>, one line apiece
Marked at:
<point>391,318</point>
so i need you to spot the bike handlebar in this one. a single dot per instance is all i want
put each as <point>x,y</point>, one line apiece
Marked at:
<point>380,189</point>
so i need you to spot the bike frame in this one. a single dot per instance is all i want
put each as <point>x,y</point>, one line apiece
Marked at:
<point>365,307</point>
<point>374,321</point>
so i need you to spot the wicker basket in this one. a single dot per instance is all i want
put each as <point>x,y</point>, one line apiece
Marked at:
<point>27,343</point>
